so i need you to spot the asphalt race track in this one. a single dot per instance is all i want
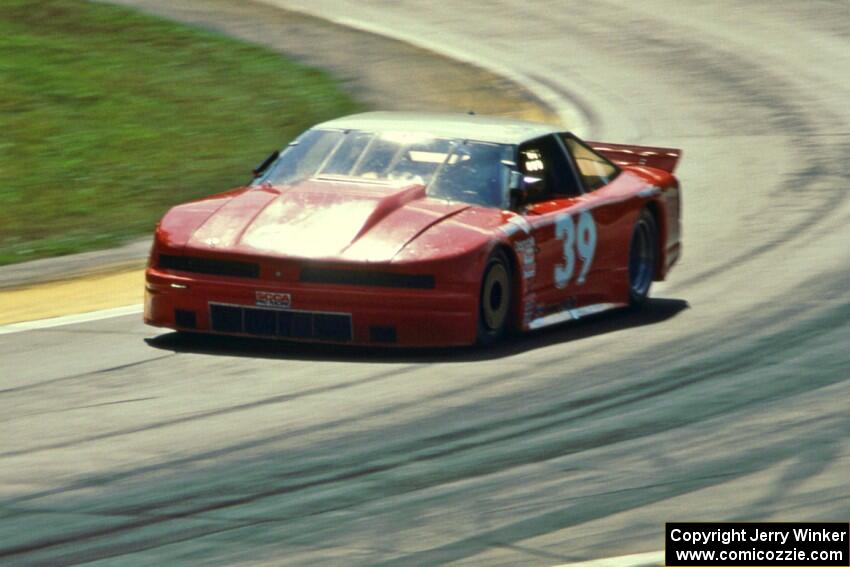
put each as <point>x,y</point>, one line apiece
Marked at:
<point>728,399</point>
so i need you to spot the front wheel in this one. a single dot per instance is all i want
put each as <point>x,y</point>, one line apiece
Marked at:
<point>495,303</point>
<point>643,256</point>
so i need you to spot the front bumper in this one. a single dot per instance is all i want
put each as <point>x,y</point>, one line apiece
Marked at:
<point>317,312</point>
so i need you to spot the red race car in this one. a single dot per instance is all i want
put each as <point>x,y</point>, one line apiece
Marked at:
<point>419,229</point>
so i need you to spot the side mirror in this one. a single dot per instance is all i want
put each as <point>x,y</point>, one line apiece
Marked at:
<point>521,187</point>
<point>517,199</point>
<point>260,169</point>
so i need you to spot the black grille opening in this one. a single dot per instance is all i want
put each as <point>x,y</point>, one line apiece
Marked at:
<point>302,325</point>
<point>313,274</point>
<point>185,318</point>
<point>226,319</point>
<point>281,323</point>
<point>331,327</point>
<point>284,323</point>
<point>382,334</point>
<point>260,322</point>
<point>209,266</point>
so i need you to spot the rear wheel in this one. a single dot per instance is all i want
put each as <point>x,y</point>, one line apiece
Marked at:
<point>495,304</point>
<point>643,256</point>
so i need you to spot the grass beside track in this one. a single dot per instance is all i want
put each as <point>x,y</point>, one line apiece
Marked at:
<point>108,117</point>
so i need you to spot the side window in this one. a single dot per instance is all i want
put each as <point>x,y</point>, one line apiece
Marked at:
<point>595,170</point>
<point>544,158</point>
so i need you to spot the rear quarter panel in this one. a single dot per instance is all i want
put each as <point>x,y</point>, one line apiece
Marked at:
<point>665,197</point>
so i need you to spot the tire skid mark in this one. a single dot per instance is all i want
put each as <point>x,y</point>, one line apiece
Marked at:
<point>282,398</point>
<point>615,503</point>
<point>87,406</point>
<point>604,438</point>
<point>434,447</point>
<point>107,550</point>
<point>612,502</point>
<point>520,455</point>
<point>791,112</point>
<point>289,434</point>
<point>527,424</point>
<point>87,374</point>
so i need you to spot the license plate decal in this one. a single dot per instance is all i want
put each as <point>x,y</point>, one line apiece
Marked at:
<point>274,299</point>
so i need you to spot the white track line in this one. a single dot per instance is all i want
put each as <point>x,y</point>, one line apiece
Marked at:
<point>70,319</point>
<point>568,113</point>
<point>638,559</point>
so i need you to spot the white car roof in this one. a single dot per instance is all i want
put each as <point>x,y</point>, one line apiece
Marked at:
<point>458,126</point>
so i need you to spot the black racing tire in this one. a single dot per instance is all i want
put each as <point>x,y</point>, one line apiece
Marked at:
<point>643,258</point>
<point>494,309</point>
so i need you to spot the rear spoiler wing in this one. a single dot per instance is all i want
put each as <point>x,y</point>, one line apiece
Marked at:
<point>622,154</point>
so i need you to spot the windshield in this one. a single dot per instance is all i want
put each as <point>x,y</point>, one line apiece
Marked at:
<point>456,170</point>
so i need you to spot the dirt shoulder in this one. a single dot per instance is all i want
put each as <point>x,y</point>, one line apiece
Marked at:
<point>380,72</point>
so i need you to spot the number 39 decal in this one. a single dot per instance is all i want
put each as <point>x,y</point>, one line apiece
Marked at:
<point>578,237</point>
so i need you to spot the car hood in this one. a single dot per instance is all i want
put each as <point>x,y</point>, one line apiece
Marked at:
<point>321,220</point>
